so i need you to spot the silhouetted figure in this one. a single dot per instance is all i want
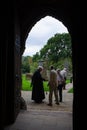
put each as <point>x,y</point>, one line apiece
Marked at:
<point>53,83</point>
<point>37,86</point>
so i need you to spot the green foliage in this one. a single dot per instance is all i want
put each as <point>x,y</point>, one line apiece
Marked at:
<point>26,84</point>
<point>46,87</point>
<point>36,57</point>
<point>57,47</point>
<point>67,81</point>
<point>25,67</point>
<point>70,90</point>
<point>33,67</point>
<point>57,52</point>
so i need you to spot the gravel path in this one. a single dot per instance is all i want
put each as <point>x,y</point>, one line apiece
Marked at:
<point>66,105</point>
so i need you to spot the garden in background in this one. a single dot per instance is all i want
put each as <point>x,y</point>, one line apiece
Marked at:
<point>26,84</point>
<point>57,52</point>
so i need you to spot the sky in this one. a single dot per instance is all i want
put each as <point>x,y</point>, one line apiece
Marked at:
<point>44,29</point>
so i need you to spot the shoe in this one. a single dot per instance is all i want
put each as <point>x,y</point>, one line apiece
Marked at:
<point>49,104</point>
<point>57,103</point>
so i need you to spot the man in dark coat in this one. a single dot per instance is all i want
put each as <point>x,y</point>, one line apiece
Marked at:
<point>37,86</point>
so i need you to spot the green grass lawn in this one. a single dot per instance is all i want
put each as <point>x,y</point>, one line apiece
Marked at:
<point>70,90</point>
<point>27,83</point>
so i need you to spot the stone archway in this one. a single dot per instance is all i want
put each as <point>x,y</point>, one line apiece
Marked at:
<point>23,15</point>
<point>31,15</point>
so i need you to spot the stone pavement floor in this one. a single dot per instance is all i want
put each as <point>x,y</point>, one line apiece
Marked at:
<point>66,105</point>
<point>44,117</point>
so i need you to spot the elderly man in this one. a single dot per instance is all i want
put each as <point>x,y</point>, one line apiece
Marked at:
<point>37,86</point>
<point>53,83</point>
<point>64,74</point>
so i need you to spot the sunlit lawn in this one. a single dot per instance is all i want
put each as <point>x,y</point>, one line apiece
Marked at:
<point>27,83</point>
<point>70,90</point>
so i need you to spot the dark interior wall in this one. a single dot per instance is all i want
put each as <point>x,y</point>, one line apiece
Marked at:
<point>10,67</point>
<point>7,66</point>
<point>79,54</point>
<point>17,64</point>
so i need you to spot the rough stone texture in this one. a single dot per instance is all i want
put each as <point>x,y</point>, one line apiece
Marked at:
<point>23,104</point>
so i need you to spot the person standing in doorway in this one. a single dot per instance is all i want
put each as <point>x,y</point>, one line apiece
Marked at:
<point>37,86</point>
<point>60,84</point>
<point>52,83</point>
<point>64,74</point>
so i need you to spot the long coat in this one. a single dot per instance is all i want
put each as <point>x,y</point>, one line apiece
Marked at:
<point>37,87</point>
<point>53,83</point>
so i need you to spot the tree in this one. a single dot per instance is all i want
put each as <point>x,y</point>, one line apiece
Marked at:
<point>57,47</point>
<point>25,64</point>
<point>57,51</point>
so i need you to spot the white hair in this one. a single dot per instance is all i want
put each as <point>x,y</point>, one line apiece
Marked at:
<point>40,67</point>
<point>65,69</point>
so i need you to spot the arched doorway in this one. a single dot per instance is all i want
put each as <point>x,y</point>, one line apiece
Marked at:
<point>27,14</point>
<point>29,43</point>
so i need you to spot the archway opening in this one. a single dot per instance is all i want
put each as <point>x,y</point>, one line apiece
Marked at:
<point>35,43</point>
<point>38,108</point>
